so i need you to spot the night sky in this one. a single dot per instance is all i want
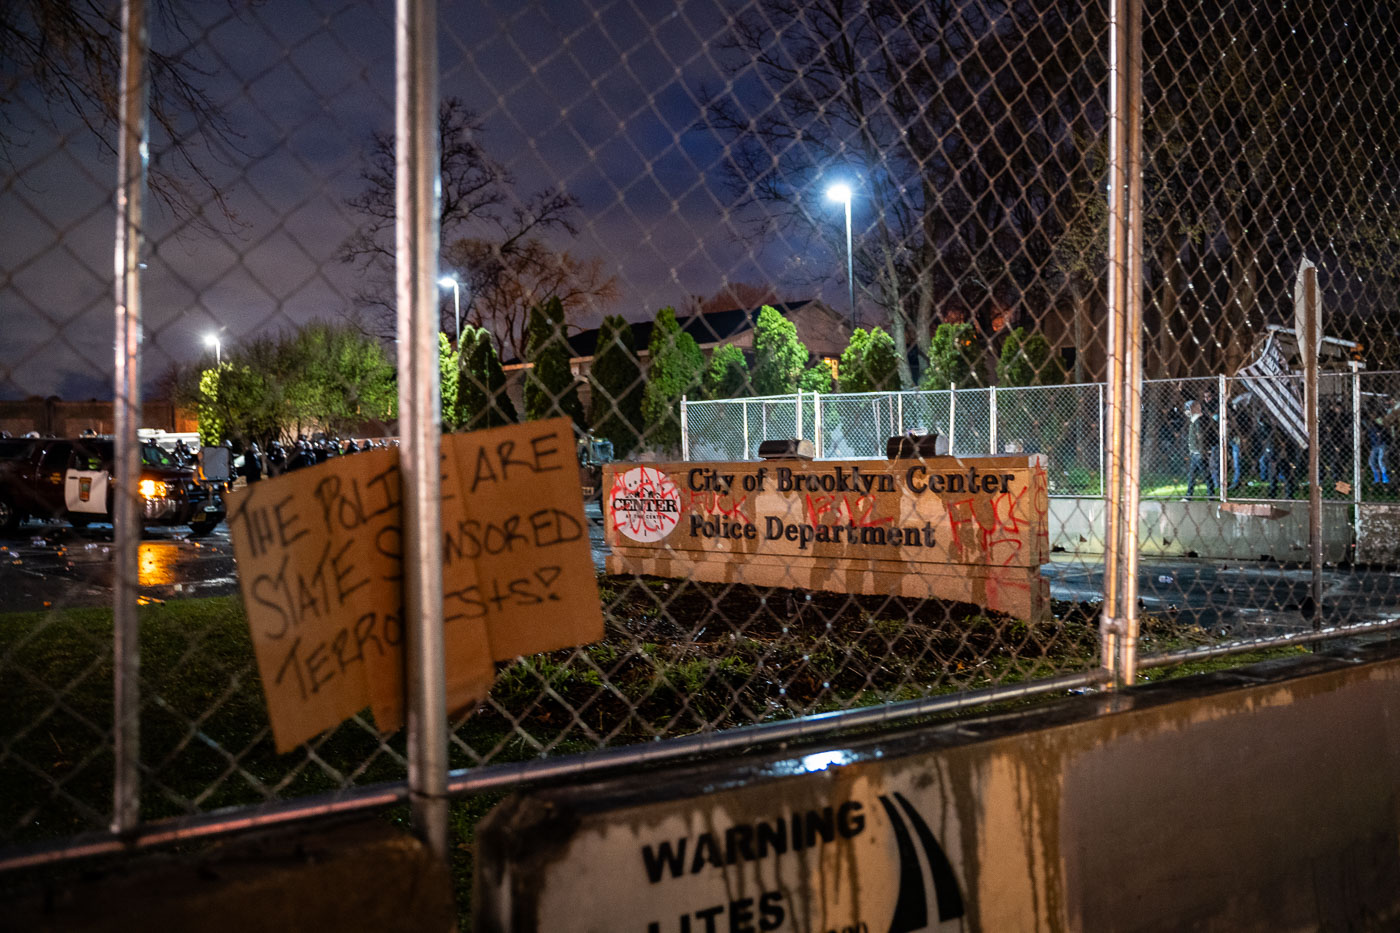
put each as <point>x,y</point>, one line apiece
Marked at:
<point>598,101</point>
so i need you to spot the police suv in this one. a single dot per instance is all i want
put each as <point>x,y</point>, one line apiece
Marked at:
<point>72,479</point>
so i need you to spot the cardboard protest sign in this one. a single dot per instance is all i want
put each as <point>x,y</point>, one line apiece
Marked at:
<point>351,502</point>
<point>321,595</point>
<point>320,554</point>
<point>523,529</point>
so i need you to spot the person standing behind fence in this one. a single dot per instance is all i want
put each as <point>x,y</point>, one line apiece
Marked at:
<point>1197,449</point>
<point>1386,423</point>
<point>303,456</point>
<point>1377,439</point>
<point>276,459</point>
<point>1263,435</point>
<point>252,469</point>
<point>1236,443</point>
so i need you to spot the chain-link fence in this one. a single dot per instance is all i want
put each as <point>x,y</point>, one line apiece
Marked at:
<point>624,160</point>
<point>1252,443</point>
<point>1062,422</point>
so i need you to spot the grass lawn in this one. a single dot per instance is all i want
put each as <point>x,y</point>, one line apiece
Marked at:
<point>678,657</point>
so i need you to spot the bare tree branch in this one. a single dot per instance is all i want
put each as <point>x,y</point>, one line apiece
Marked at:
<point>493,238</point>
<point>67,54</point>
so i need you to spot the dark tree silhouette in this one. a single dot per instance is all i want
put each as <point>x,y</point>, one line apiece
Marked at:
<point>66,55</point>
<point>494,238</point>
<point>550,388</point>
<point>617,383</point>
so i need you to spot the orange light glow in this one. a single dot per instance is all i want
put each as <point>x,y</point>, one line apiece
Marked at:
<point>155,564</point>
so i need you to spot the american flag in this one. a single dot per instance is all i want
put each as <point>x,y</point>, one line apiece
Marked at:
<point>1267,380</point>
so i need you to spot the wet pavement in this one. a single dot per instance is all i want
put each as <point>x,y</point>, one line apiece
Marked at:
<point>55,565</point>
<point>1239,599</point>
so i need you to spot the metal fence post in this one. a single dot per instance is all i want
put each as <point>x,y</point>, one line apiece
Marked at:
<point>420,455</point>
<point>1119,626</point>
<point>899,405</point>
<point>797,417</point>
<point>1222,432</point>
<point>126,626</point>
<point>1311,310</point>
<point>992,425</point>
<point>952,411</point>
<point>1355,452</point>
<point>685,431</point>
<point>1103,475</point>
<point>748,451</point>
<point>817,422</point>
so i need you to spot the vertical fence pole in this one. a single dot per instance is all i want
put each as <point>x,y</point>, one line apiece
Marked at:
<point>1355,452</point>
<point>1310,388</point>
<point>992,418</point>
<point>875,421</point>
<point>685,429</point>
<point>416,107</point>
<point>817,422</point>
<point>748,451</point>
<point>899,404</point>
<point>1103,475</point>
<point>1222,432</point>
<point>798,416</point>
<point>952,412</point>
<point>126,534</point>
<point>1119,626</point>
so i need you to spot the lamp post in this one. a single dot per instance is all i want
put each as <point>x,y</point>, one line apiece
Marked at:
<point>212,340</point>
<point>450,281</point>
<point>842,192</point>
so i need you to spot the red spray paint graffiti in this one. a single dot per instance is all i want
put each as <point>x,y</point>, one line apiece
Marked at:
<point>644,504</point>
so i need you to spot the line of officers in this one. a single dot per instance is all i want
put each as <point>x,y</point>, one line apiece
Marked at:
<point>254,463</point>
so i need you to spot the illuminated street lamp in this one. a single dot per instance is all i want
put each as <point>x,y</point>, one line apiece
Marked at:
<point>450,281</point>
<point>212,340</point>
<point>842,192</point>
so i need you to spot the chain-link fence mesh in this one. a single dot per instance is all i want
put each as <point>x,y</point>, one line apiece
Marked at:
<point>260,141</point>
<point>624,160</point>
<point>1062,422</point>
<point>1255,455</point>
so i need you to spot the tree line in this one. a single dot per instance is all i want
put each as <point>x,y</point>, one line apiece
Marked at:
<point>332,379</point>
<point>635,402</point>
<point>321,377</point>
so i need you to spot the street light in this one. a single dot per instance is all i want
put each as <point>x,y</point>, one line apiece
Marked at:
<point>450,281</point>
<point>212,340</point>
<point>842,192</point>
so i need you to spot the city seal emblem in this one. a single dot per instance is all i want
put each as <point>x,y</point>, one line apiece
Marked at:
<point>644,504</point>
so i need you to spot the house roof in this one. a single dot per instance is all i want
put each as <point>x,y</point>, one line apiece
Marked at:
<point>708,329</point>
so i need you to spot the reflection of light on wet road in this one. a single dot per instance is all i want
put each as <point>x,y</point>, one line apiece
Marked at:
<point>155,564</point>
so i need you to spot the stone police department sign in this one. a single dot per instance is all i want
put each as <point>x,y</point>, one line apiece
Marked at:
<point>972,529</point>
<point>807,844</point>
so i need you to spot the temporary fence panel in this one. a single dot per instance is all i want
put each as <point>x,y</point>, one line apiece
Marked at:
<point>626,159</point>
